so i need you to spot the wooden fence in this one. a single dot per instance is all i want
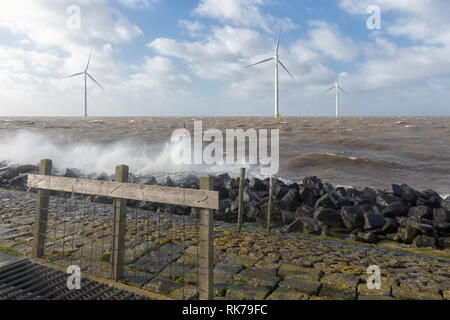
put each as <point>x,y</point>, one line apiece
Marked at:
<point>205,199</point>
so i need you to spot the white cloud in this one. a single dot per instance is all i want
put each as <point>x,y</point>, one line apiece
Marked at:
<point>246,13</point>
<point>138,3</point>
<point>328,40</point>
<point>193,28</point>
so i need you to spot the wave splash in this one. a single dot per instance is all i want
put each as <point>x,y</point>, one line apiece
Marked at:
<point>90,158</point>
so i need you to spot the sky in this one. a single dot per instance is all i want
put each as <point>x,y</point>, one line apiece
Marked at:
<point>187,58</point>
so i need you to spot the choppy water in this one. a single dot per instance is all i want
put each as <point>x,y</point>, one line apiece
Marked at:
<point>355,151</point>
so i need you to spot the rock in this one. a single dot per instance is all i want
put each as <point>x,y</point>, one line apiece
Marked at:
<point>420,212</point>
<point>72,173</point>
<point>19,182</point>
<point>328,200</point>
<point>279,189</point>
<point>445,204</point>
<point>409,194</point>
<point>389,227</point>
<point>305,225</point>
<point>444,243</point>
<point>313,181</point>
<point>373,221</point>
<point>385,200</point>
<point>328,217</point>
<point>420,227</point>
<point>151,181</point>
<point>369,237</point>
<point>424,242</point>
<point>443,227</point>
<point>308,195</point>
<point>230,188</point>
<point>287,217</point>
<point>257,185</point>
<point>395,209</point>
<point>248,195</point>
<point>406,235</point>
<point>441,215</point>
<point>352,218</point>
<point>291,200</point>
<point>189,182</point>
<point>304,211</point>
<point>252,213</point>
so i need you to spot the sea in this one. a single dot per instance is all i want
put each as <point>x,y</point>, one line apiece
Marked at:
<point>357,152</point>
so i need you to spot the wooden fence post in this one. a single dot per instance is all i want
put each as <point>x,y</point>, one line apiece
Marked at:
<point>206,244</point>
<point>269,206</point>
<point>119,226</point>
<point>241,200</point>
<point>40,223</point>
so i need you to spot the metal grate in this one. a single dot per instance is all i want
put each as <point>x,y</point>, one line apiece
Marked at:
<point>25,280</point>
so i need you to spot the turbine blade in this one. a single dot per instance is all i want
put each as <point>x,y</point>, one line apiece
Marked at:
<point>343,90</point>
<point>278,42</point>
<point>94,80</point>
<point>286,70</point>
<point>89,60</point>
<point>258,63</point>
<point>74,75</point>
<point>333,87</point>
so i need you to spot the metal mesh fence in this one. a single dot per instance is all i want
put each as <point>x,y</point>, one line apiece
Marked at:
<point>161,248</point>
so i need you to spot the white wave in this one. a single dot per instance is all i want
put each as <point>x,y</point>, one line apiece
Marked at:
<point>91,158</point>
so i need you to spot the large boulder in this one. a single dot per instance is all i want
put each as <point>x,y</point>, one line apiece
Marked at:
<point>385,200</point>
<point>19,182</point>
<point>328,200</point>
<point>420,212</point>
<point>287,217</point>
<point>249,195</point>
<point>406,235</point>
<point>390,227</point>
<point>394,209</point>
<point>304,211</point>
<point>290,201</point>
<point>373,221</point>
<point>445,204</point>
<point>441,215</point>
<point>424,242</point>
<point>328,217</point>
<point>308,195</point>
<point>369,237</point>
<point>305,225</point>
<point>422,228</point>
<point>280,189</point>
<point>407,193</point>
<point>352,218</point>
<point>257,185</point>
<point>444,243</point>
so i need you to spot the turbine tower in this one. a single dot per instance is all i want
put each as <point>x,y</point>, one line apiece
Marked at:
<point>277,61</point>
<point>86,75</point>
<point>337,87</point>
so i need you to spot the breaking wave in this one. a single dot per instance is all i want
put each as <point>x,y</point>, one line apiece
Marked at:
<point>90,158</point>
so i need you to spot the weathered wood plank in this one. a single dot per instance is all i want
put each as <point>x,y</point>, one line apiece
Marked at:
<point>185,197</point>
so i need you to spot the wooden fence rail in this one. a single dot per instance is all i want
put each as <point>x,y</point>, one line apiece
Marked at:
<point>205,199</point>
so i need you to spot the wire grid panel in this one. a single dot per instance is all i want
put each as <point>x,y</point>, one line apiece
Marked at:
<point>162,252</point>
<point>79,233</point>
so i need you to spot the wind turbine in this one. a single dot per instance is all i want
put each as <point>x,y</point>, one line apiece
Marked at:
<point>86,75</point>
<point>277,61</point>
<point>337,87</point>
